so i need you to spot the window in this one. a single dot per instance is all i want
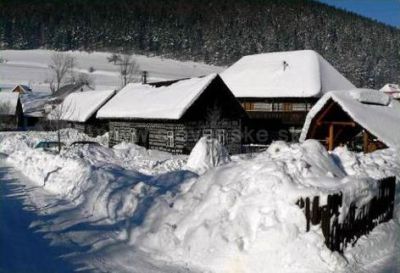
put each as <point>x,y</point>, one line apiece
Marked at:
<point>134,138</point>
<point>248,106</point>
<point>278,107</point>
<point>263,106</point>
<point>208,133</point>
<point>170,139</point>
<point>299,107</point>
<point>221,136</point>
<point>116,134</point>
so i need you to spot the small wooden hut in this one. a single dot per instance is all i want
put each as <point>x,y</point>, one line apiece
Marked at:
<point>363,120</point>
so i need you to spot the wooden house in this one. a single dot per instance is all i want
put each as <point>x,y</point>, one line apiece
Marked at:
<point>278,89</point>
<point>78,110</point>
<point>172,117</point>
<point>22,89</point>
<point>362,119</point>
<point>11,114</point>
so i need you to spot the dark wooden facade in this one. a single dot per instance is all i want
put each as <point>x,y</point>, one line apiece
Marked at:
<point>280,118</point>
<point>334,127</point>
<point>216,113</point>
<point>92,127</point>
<point>13,122</point>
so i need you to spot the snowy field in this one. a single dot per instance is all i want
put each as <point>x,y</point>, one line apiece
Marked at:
<point>30,67</point>
<point>127,209</point>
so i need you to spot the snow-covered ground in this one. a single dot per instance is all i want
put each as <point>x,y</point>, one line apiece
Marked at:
<point>127,209</point>
<point>30,67</point>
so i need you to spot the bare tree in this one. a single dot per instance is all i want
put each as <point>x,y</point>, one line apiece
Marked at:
<point>127,69</point>
<point>114,58</point>
<point>84,79</point>
<point>57,117</point>
<point>62,66</point>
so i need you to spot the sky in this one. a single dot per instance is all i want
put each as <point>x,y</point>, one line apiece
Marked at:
<point>386,11</point>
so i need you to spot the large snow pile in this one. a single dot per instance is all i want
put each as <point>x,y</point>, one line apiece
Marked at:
<point>243,217</point>
<point>14,141</point>
<point>207,154</point>
<point>238,216</point>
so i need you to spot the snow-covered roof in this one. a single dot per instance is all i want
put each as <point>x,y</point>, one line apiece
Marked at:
<point>8,103</point>
<point>24,88</point>
<point>138,101</point>
<point>390,87</point>
<point>80,106</point>
<point>302,73</point>
<point>373,110</point>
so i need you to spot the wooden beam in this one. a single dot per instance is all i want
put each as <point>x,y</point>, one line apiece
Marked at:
<point>365,141</point>
<point>325,112</point>
<point>341,123</point>
<point>331,137</point>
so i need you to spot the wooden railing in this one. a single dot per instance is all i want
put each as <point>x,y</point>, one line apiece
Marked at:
<point>357,222</point>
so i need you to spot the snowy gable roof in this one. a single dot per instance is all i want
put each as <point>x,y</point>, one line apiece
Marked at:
<point>302,73</point>
<point>138,101</point>
<point>80,106</point>
<point>8,103</point>
<point>373,110</point>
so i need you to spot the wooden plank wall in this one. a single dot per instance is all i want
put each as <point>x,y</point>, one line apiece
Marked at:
<point>357,222</point>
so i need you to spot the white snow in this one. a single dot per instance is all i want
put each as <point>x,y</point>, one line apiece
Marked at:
<point>30,67</point>
<point>391,89</point>
<point>127,209</point>
<point>10,101</point>
<point>207,154</point>
<point>80,106</point>
<point>371,109</point>
<point>302,73</point>
<point>145,101</point>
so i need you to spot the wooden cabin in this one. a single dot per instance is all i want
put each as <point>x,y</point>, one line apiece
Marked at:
<point>278,89</point>
<point>363,120</point>
<point>11,114</point>
<point>173,116</point>
<point>78,110</point>
<point>22,89</point>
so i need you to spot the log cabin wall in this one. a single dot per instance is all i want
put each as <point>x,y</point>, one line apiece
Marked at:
<point>149,134</point>
<point>175,137</point>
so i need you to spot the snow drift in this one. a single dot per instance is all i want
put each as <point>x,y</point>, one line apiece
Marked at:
<point>207,154</point>
<point>139,211</point>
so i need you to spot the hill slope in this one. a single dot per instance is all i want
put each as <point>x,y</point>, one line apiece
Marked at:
<point>214,31</point>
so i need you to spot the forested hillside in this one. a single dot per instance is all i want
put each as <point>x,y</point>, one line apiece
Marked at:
<point>214,31</point>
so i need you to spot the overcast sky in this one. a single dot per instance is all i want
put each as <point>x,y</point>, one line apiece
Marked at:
<point>386,11</point>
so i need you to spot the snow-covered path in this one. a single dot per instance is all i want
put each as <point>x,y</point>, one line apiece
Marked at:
<point>21,248</point>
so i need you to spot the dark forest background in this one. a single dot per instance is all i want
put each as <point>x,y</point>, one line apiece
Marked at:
<point>214,31</point>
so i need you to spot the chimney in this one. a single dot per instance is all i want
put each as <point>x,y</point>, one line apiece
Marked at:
<point>285,65</point>
<point>144,77</point>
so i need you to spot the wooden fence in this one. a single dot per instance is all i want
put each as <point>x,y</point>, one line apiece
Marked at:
<point>357,222</point>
